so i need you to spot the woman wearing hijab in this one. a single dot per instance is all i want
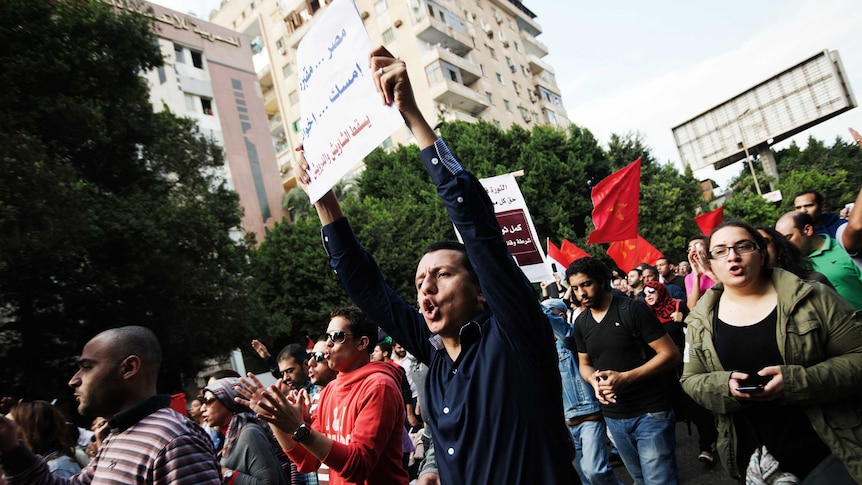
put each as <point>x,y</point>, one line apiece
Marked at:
<point>670,312</point>
<point>250,455</point>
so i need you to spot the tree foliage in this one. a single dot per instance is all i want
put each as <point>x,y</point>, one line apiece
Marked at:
<point>832,171</point>
<point>110,214</point>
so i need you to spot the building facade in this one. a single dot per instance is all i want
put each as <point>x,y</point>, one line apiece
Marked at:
<point>208,75</point>
<point>467,59</point>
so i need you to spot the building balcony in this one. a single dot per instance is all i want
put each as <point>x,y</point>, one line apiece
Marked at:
<point>439,33</point>
<point>533,45</point>
<point>522,15</point>
<point>537,65</point>
<point>547,80</point>
<point>270,102</point>
<point>261,65</point>
<point>275,124</point>
<point>458,96</point>
<point>470,71</point>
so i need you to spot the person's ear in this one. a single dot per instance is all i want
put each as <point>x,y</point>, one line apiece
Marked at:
<point>808,230</point>
<point>130,366</point>
<point>363,343</point>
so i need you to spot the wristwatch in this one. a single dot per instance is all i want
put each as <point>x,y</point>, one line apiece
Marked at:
<point>228,474</point>
<point>301,434</point>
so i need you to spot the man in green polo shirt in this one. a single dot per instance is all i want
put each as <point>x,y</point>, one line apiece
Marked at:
<point>827,255</point>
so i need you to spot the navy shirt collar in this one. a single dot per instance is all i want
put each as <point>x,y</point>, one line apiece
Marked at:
<point>127,418</point>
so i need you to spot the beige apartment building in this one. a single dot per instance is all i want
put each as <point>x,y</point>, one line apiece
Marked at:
<point>467,59</point>
<point>208,76</point>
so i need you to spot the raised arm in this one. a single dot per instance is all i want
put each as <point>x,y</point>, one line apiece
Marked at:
<point>853,232</point>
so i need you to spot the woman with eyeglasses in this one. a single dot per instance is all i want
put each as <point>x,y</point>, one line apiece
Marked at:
<point>779,360</point>
<point>250,454</point>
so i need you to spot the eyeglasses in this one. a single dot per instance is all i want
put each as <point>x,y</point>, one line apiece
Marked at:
<point>338,336</point>
<point>316,356</point>
<point>742,247</point>
<point>649,290</point>
<point>209,402</point>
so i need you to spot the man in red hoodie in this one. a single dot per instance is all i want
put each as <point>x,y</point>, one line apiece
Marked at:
<point>357,428</point>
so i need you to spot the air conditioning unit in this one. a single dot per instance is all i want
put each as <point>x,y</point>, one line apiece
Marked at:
<point>442,108</point>
<point>486,27</point>
<point>498,17</point>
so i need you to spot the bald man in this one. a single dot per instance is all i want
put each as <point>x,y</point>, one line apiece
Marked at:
<point>149,442</point>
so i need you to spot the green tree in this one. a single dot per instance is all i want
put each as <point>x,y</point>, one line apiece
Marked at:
<point>110,214</point>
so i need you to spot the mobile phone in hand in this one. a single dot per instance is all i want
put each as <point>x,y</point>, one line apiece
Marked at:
<point>749,389</point>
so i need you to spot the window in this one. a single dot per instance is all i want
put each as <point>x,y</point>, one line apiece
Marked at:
<point>508,61</point>
<point>517,88</point>
<point>490,98</point>
<point>506,105</point>
<point>523,112</point>
<point>380,6</point>
<point>191,105</point>
<point>387,143</point>
<point>295,126</point>
<point>293,97</point>
<point>482,68</point>
<point>179,53</point>
<point>499,78</point>
<point>207,106</point>
<point>498,125</point>
<point>388,36</point>
<point>287,70</point>
<point>515,43</point>
<point>197,58</point>
<point>492,52</point>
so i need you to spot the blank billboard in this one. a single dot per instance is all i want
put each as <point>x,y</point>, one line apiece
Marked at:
<point>786,104</point>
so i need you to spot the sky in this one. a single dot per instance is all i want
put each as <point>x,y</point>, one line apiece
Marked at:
<point>632,66</point>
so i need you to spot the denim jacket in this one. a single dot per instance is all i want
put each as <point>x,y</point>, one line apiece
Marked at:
<point>579,398</point>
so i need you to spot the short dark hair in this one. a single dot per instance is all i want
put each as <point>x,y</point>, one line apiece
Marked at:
<point>385,347</point>
<point>818,197</point>
<point>296,351</point>
<point>221,374</point>
<point>454,246</point>
<point>698,237</point>
<point>591,267</point>
<point>650,267</point>
<point>357,323</point>
<point>800,219</point>
<point>638,270</point>
<point>135,340</point>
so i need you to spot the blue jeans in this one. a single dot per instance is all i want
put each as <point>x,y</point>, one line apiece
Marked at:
<point>591,457</point>
<point>647,445</point>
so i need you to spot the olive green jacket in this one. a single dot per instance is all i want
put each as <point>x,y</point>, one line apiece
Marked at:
<point>820,340</point>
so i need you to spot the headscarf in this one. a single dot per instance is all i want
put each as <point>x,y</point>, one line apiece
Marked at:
<point>223,390</point>
<point>664,306</point>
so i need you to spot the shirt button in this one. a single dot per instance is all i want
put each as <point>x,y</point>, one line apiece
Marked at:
<point>460,200</point>
<point>434,161</point>
<point>446,410</point>
<point>451,451</point>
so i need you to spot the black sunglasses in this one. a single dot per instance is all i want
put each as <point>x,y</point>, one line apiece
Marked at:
<point>649,290</point>
<point>210,401</point>
<point>316,356</point>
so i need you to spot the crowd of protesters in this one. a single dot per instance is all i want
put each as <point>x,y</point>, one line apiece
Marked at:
<point>756,339</point>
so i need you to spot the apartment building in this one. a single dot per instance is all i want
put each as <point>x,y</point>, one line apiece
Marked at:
<point>467,59</point>
<point>208,75</point>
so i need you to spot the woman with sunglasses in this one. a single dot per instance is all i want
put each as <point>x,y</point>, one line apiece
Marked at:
<point>779,360</point>
<point>251,454</point>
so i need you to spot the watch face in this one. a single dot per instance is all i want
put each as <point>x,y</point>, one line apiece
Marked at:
<point>301,434</point>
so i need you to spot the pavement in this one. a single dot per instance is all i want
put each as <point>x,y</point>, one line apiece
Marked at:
<point>691,470</point>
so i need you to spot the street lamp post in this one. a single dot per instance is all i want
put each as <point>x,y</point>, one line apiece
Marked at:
<point>742,145</point>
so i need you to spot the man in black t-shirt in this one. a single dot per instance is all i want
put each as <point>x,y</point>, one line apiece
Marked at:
<point>628,358</point>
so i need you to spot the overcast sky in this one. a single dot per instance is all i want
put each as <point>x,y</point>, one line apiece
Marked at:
<point>631,65</point>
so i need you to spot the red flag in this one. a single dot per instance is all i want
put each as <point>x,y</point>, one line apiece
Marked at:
<point>709,220</point>
<point>572,251</point>
<point>615,205</point>
<point>632,252</point>
<point>557,256</point>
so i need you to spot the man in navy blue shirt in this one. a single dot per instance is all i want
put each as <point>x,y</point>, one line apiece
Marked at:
<point>479,326</point>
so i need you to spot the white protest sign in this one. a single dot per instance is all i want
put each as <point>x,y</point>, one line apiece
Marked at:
<point>517,226</point>
<point>343,115</point>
